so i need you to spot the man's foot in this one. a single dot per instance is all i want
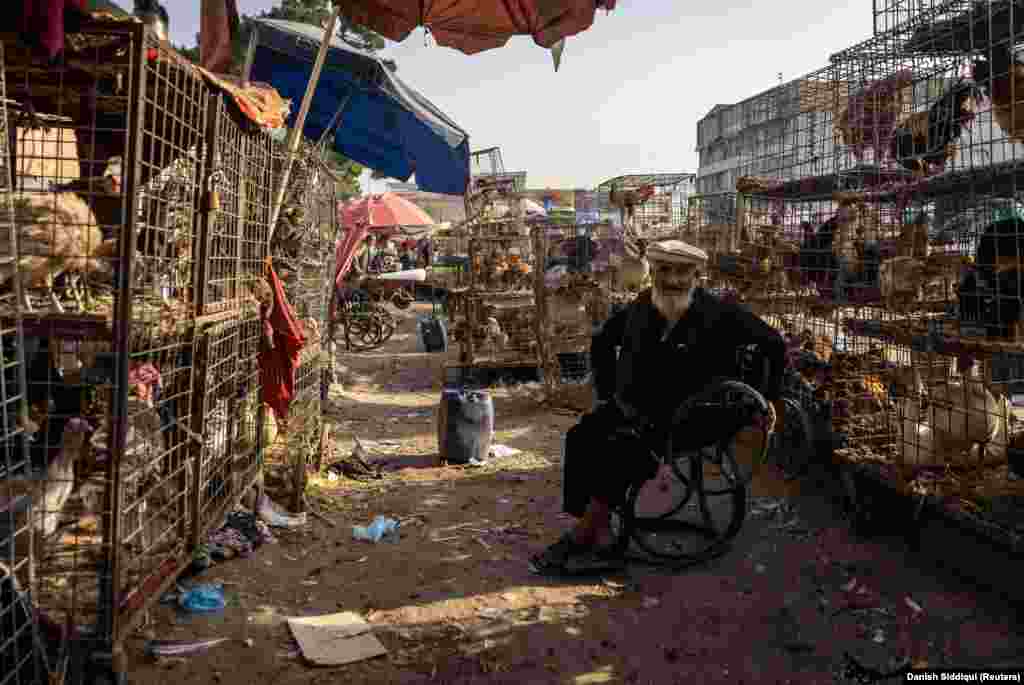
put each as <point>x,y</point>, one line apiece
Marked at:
<point>567,557</point>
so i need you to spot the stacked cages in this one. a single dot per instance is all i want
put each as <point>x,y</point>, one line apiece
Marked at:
<point>573,297</point>
<point>22,657</point>
<point>108,156</point>
<point>494,320</point>
<point>303,251</point>
<point>142,202</point>
<point>652,205</point>
<point>236,204</point>
<point>928,182</point>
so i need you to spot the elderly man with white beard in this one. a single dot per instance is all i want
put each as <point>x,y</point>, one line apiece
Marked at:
<point>670,343</point>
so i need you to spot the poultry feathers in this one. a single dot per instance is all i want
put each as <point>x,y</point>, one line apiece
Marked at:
<point>927,138</point>
<point>58,233</point>
<point>999,79</point>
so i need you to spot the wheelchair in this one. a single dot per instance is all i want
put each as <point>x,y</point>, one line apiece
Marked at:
<point>695,521</point>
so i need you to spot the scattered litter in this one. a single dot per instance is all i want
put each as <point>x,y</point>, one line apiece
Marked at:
<point>490,612</point>
<point>879,636</point>
<point>174,648</point>
<point>274,516</point>
<point>502,451</point>
<point>310,583</point>
<point>914,606</point>
<point>249,642</point>
<point>336,639</point>
<point>376,531</point>
<point>849,586</point>
<point>651,602</point>
<point>760,568</point>
<point>203,599</point>
<point>417,414</point>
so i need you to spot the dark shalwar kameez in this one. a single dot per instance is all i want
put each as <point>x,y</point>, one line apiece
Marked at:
<point>653,373</point>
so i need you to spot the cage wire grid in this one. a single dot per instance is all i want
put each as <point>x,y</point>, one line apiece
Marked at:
<point>127,457</point>
<point>22,658</point>
<point>658,202</point>
<point>883,240</point>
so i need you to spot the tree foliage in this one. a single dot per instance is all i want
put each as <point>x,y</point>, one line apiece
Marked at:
<point>315,13</point>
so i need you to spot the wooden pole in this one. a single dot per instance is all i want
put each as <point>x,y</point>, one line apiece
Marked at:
<point>295,135</point>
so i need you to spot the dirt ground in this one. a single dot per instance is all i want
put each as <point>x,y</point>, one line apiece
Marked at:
<point>453,601</point>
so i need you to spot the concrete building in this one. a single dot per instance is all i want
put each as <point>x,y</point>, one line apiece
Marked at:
<point>784,133</point>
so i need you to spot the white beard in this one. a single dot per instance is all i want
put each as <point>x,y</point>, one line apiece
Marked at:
<point>673,306</point>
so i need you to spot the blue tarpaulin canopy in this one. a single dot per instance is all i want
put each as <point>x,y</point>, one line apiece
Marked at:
<point>375,118</point>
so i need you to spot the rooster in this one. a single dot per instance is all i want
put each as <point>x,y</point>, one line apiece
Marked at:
<point>628,200</point>
<point>999,80</point>
<point>58,234</point>
<point>926,139</point>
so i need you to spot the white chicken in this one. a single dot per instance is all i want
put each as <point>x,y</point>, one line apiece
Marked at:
<point>968,423</point>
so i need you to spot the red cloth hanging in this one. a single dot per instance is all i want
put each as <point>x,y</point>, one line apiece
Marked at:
<point>278,365</point>
<point>42,22</point>
<point>345,250</point>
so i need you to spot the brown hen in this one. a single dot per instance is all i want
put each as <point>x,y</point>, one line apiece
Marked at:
<point>57,234</point>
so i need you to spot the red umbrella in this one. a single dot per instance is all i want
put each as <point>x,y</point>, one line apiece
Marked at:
<point>386,212</point>
<point>473,26</point>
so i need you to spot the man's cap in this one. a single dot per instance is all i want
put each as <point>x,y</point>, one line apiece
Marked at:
<point>676,252</point>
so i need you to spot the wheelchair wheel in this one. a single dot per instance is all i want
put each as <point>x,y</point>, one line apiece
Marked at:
<point>689,512</point>
<point>697,503</point>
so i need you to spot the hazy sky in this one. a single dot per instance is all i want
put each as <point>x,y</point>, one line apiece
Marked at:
<point>629,91</point>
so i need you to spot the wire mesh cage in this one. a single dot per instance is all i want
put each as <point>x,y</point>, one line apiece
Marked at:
<point>141,202</point>
<point>890,15</point>
<point>229,411</point>
<point>237,203</point>
<point>304,240</point>
<point>106,225</point>
<point>894,274</point>
<point>653,205</point>
<point>22,656</point>
<point>494,320</point>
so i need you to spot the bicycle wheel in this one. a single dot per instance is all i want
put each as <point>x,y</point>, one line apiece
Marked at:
<point>360,333</point>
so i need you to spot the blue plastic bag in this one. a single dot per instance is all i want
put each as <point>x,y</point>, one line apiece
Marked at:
<point>380,527</point>
<point>203,599</point>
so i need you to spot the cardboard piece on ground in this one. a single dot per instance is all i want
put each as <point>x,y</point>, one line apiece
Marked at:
<point>336,639</point>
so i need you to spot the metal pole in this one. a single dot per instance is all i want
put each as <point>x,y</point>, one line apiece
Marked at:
<point>296,133</point>
<point>250,54</point>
